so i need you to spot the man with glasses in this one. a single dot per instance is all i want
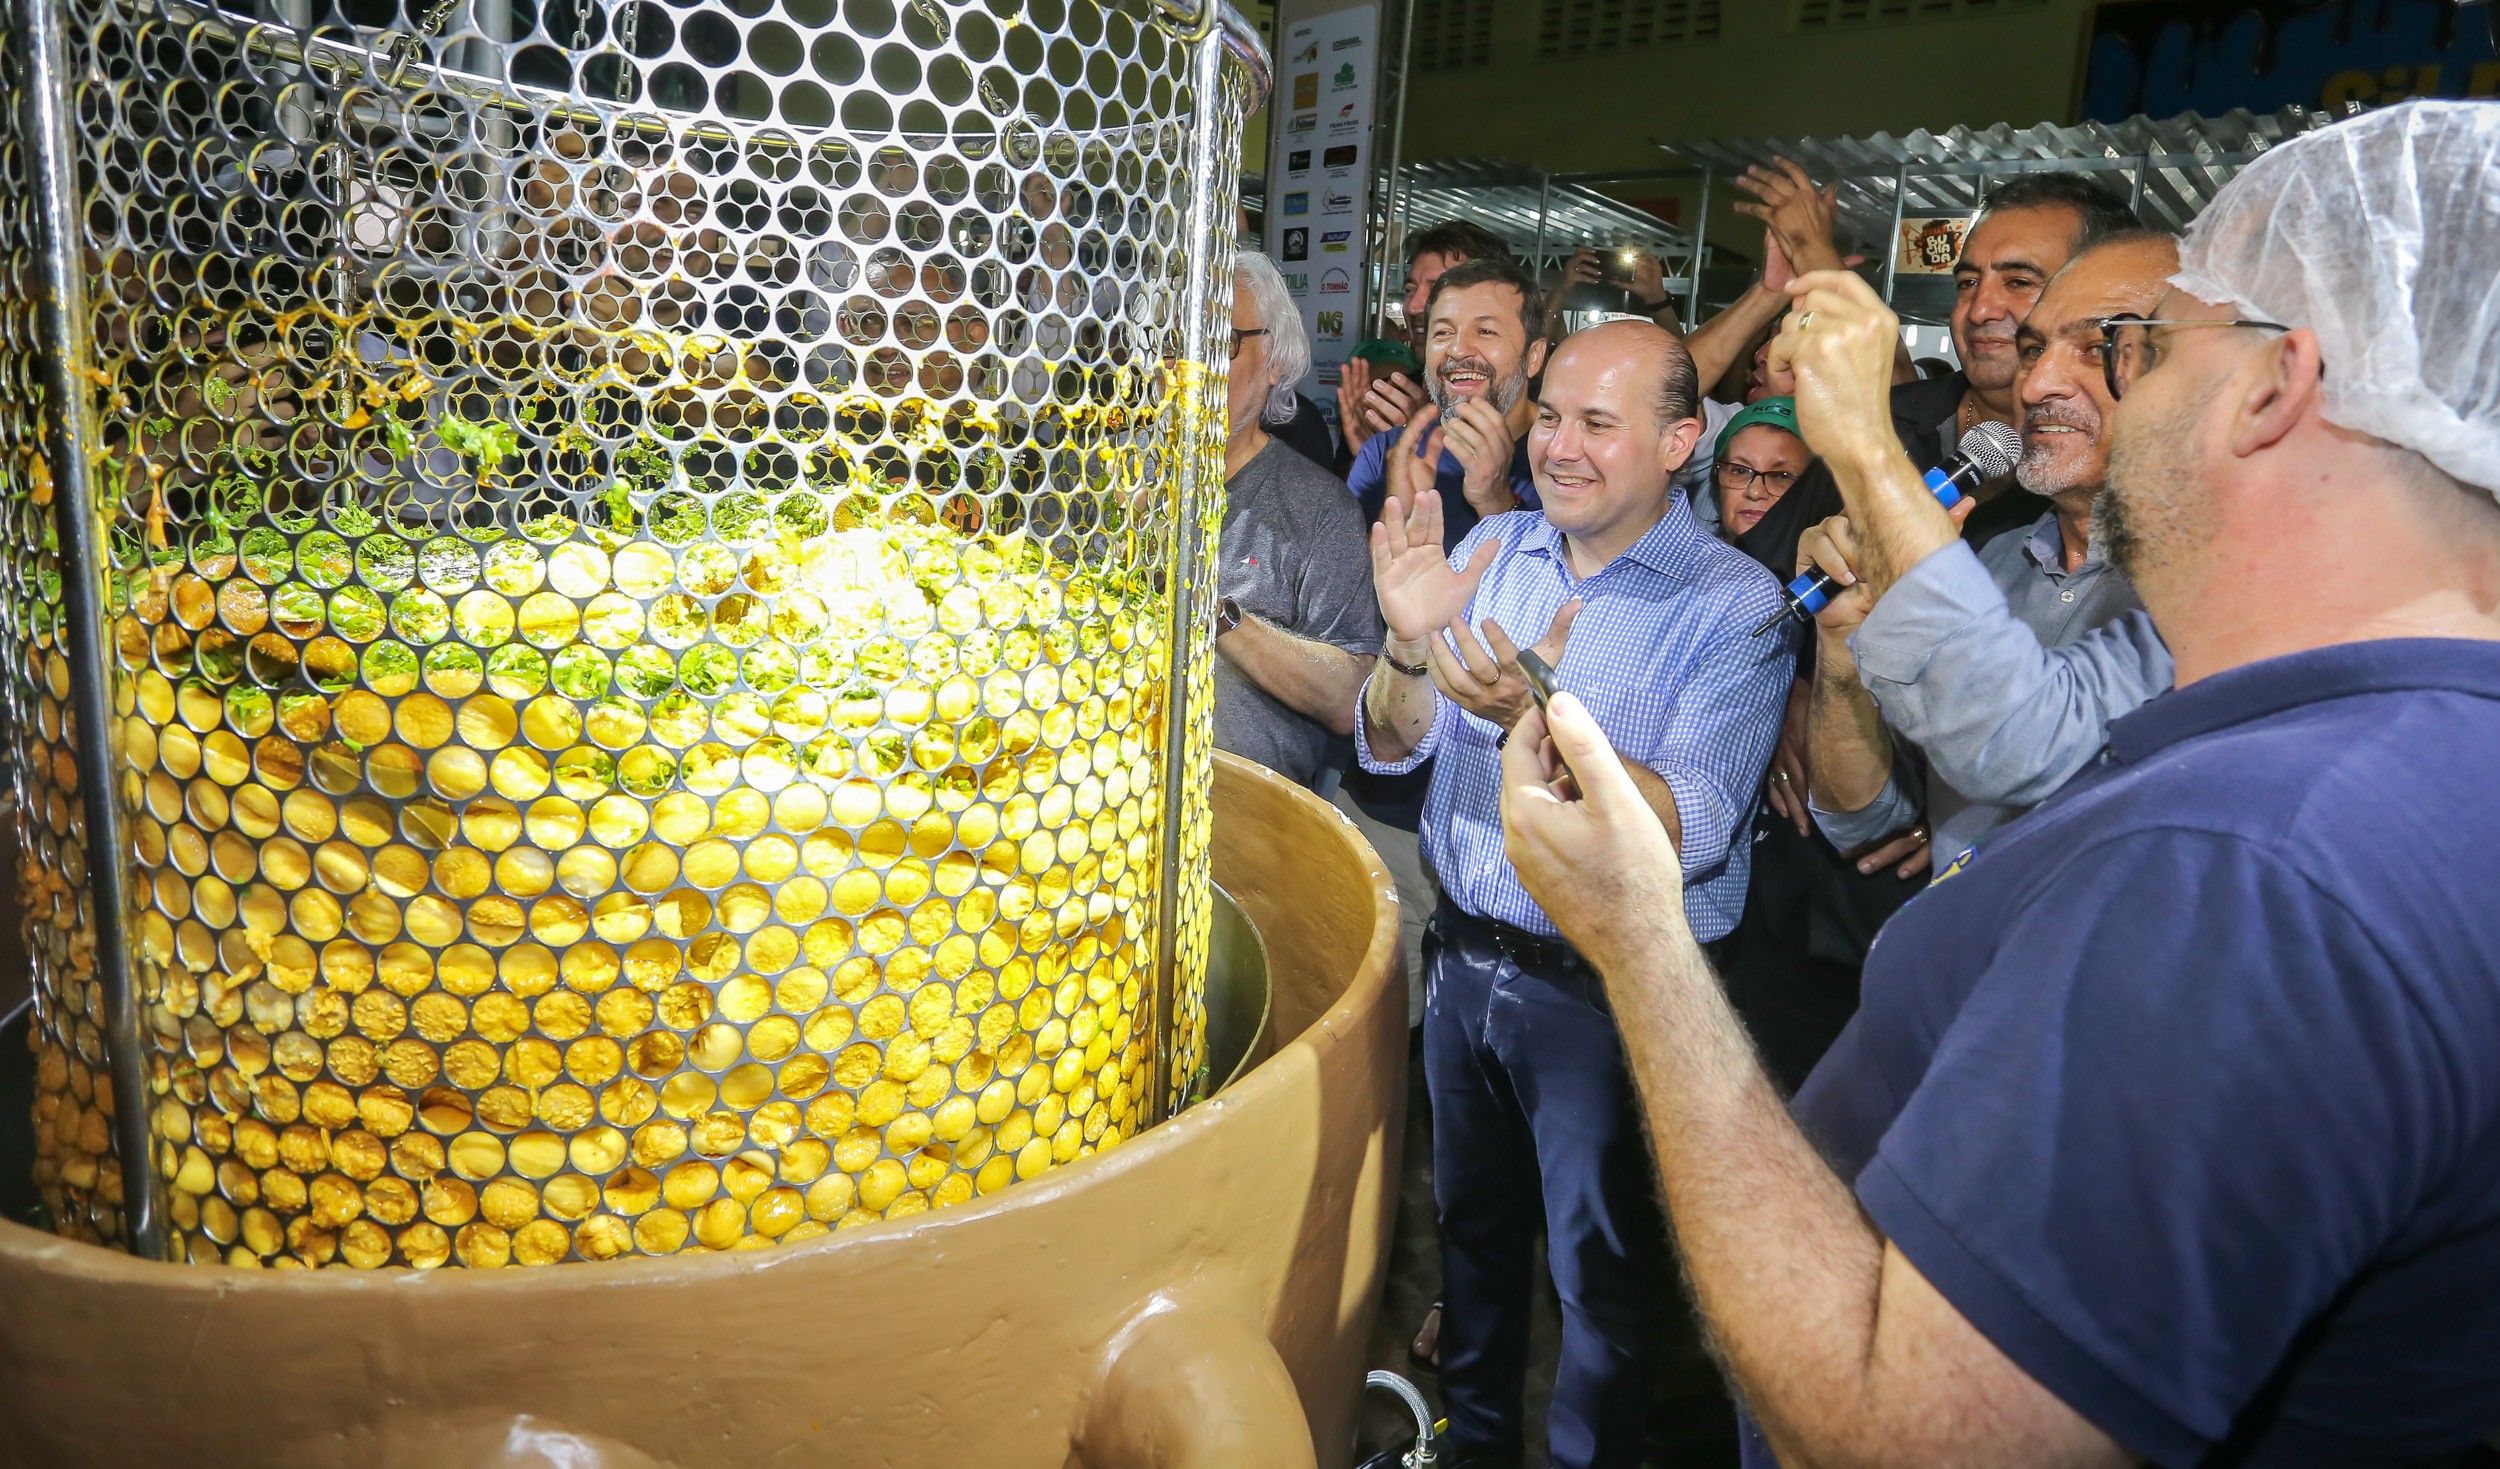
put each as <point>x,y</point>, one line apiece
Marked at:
<point>2170,1129</point>
<point>1984,679</point>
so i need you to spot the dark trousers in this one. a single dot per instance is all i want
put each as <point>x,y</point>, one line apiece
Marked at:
<point>1533,1118</point>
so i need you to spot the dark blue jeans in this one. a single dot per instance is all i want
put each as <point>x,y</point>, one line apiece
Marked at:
<point>1533,1117</point>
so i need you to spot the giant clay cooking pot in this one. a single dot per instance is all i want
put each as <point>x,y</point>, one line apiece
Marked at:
<point>1199,1296</point>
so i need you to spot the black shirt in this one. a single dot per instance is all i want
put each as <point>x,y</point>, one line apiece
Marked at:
<point>1924,415</point>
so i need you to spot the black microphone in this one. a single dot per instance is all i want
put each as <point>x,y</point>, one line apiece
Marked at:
<point>1985,453</point>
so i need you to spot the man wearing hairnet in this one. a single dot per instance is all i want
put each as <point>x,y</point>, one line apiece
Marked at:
<point>2169,1130</point>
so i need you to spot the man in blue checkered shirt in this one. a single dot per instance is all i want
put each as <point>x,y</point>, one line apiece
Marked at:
<point>1647,618</point>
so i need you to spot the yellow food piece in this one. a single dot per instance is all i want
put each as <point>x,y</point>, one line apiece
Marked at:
<point>515,967</point>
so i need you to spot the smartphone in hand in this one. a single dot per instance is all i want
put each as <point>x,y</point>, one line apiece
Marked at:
<point>1542,686</point>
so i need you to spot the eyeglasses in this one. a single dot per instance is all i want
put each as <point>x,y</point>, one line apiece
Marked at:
<point>1741,477</point>
<point>1240,336</point>
<point>2128,350</point>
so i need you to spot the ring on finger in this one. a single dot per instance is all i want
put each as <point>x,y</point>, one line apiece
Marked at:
<point>1805,321</point>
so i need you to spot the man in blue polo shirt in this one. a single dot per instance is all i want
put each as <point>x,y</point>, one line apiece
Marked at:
<point>2170,1128</point>
<point>1484,339</point>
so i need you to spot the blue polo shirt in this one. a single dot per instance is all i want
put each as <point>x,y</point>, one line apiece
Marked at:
<point>2185,1089</point>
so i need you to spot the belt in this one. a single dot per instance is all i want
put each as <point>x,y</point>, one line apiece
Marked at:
<point>1530,951</point>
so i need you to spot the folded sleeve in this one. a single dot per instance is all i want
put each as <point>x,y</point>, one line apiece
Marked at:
<point>2177,1050</point>
<point>1892,809</point>
<point>2001,719</point>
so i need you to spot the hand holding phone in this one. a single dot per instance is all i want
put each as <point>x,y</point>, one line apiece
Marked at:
<point>1542,686</point>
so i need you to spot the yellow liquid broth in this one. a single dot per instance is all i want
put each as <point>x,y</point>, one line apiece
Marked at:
<point>457,966</point>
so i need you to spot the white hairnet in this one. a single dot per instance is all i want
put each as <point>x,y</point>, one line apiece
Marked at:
<point>2381,234</point>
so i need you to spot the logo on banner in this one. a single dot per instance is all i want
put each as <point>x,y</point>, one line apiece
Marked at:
<point>1337,202</point>
<point>1297,283</point>
<point>1343,81</point>
<point>1299,160</point>
<point>1299,203</point>
<point>1345,43</point>
<point>1331,243</point>
<point>1346,121</point>
<point>1343,155</point>
<point>1306,89</point>
<point>1298,244</point>
<point>1330,324</point>
<point>1307,53</point>
<point>1334,282</point>
<point>1303,122</point>
<point>1930,246</point>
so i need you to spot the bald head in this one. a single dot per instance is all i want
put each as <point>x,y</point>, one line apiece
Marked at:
<point>1614,423</point>
<point>1659,355</point>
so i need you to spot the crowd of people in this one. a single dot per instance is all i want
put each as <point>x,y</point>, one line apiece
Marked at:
<point>2164,1125</point>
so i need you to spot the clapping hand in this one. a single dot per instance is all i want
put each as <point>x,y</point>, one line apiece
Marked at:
<point>1354,381</point>
<point>1797,217</point>
<point>1412,469</point>
<point>1490,685</point>
<point>1585,844</point>
<point>1419,593</point>
<point>1477,434</point>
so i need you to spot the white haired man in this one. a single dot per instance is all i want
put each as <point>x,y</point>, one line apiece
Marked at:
<point>1298,625</point>
<point>2169,1130</point>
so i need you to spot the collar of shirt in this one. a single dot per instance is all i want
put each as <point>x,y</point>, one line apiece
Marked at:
<point>2271,686</point>
<point>2045,544</point>
<point>1672,547</point>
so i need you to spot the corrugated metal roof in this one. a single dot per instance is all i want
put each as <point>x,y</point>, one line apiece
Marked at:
<point>2183,159</point>
<point>1506,198</point>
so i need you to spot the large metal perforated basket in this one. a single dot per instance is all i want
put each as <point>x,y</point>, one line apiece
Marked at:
<point>606,607</point>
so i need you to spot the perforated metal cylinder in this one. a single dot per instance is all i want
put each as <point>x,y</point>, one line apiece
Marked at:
<point>606,607</point>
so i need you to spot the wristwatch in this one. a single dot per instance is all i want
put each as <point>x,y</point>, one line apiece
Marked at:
<point>1227,616</point>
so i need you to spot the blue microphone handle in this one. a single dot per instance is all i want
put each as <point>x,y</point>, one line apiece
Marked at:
<point>1812,592</point>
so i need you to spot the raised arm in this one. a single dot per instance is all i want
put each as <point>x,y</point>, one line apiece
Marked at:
<point>2000,718</point>
<point>1420,592</point>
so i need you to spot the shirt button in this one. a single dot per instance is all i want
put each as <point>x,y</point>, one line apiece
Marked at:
<point>2066,596</point>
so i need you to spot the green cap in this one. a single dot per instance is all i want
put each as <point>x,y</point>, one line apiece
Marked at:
<point>1779,413</point>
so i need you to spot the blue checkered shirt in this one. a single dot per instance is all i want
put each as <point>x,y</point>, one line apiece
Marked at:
<point>1662,657</point>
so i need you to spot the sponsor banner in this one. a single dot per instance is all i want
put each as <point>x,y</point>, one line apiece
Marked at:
<point>1315,229</point>
<point>1930,246</point>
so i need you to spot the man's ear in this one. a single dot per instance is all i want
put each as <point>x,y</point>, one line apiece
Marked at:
<point>2287,382</point>
<point>1534,360</point>
<point>1680,437</point>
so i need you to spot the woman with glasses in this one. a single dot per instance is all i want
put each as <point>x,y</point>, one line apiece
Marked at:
<point>1791,965</point>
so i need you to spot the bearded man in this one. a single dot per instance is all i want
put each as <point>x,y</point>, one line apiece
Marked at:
<point>1484,340</point>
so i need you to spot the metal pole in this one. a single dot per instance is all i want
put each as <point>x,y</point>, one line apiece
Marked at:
<point>47,83</point>
<point>1892,241</point>
<point>2135,192</point>
<point>1544,196</point>
<point>1192,625</point>
<point>1392,238</point>
<point>1701,252</point>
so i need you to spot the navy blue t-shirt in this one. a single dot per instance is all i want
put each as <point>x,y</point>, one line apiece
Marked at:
<point>2185,1089</point>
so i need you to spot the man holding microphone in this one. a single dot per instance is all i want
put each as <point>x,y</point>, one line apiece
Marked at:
<point>2170,1128</point>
